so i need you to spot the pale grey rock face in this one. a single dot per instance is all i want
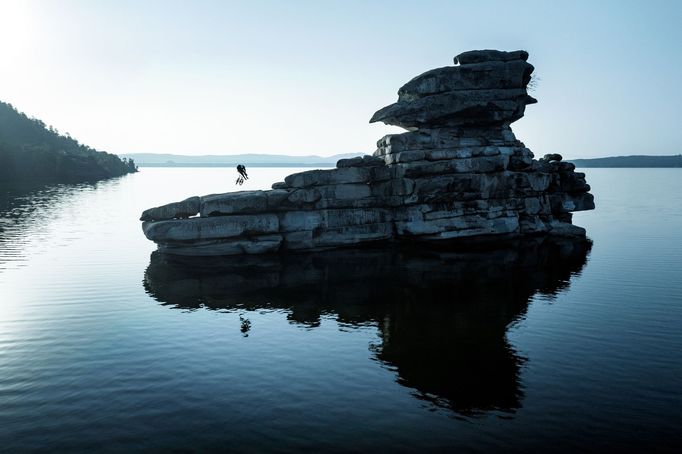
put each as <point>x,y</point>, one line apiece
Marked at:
<point>186,208</point>
<point>487,75</point>
<point>397,187</point>
<point>233,202</point>
<point>303,196</point>
<point>333,219</point>
<point>327,177</point>
<point>294,221</point>
<point>210,228</point>
<point>458,227</point>
<point>457,108</point>
<point>567,202</point>
<point>445,138</point>
<point>444,154</point>
<point>539,182</point>
<point>458,175</point>
<point>360,161</point>
<point>552,157</point>
<point>276,199</point>
<point>484,164</point>
<point>339,192</point>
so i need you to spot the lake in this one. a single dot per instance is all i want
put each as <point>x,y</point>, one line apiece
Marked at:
<point>108,346</point>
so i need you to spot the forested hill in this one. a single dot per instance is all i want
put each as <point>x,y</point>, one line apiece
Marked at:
<point>32,153</point>
<point>631,161</point>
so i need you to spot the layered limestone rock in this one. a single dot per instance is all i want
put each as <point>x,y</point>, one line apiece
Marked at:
<point>458,174</point>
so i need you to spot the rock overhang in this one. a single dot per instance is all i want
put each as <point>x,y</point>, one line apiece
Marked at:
<point>485,88</point>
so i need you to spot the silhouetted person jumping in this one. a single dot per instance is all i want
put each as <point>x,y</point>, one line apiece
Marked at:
<point>242,175</point>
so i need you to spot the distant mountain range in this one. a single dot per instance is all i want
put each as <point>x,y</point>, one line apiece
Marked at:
<point>630,161</point>
<point>271,160</point>
<point>253,160</point>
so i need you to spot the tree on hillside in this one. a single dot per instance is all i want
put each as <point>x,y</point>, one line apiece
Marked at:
<point>31,152</point>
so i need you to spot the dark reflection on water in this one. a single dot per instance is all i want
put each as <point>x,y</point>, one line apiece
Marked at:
<point>442,316</point>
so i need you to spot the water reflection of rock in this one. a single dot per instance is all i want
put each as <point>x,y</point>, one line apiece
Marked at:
<point>442,316</point>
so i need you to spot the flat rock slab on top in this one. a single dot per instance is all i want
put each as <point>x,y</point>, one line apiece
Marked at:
<point>457,108</point>
<point>487,88</point>
<point>480,56</point>
<point>480,76</point>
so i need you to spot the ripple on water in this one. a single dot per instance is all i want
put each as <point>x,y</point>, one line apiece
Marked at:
<point>104,344</point>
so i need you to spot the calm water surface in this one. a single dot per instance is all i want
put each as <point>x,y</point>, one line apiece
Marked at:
<point>106,345</point>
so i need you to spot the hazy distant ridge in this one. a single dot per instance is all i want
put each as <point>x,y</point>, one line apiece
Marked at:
<point>254,160</point>
<point>271,160</point>
<point>630,161</point>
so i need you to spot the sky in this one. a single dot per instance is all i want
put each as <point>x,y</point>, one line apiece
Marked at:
<point>304,77</point>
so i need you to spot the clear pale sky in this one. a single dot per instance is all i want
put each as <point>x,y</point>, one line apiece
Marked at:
<point>304,77</point>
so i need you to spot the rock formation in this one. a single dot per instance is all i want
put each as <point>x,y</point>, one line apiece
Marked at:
<point>458,174</point>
